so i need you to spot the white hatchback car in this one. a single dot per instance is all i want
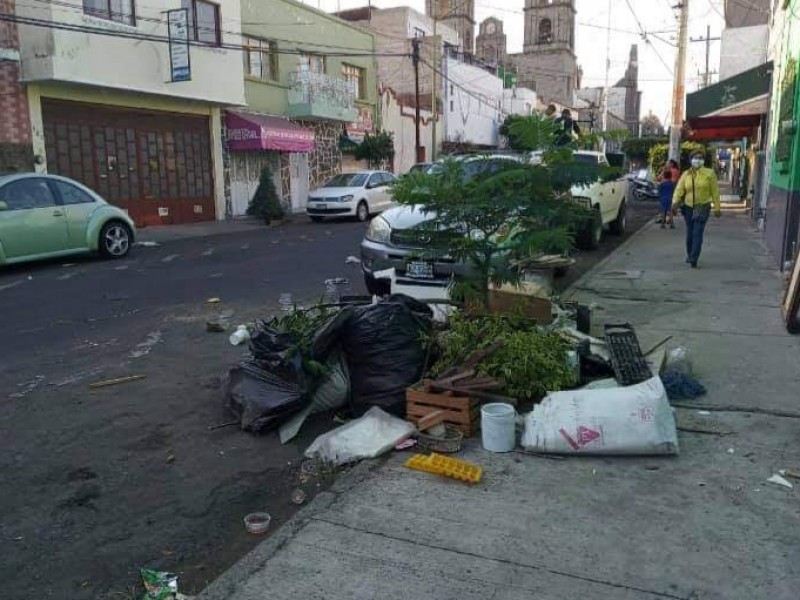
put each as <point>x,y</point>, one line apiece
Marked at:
<point>358,195</point>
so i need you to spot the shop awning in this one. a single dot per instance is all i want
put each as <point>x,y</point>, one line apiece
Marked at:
<point>731,109</point>
<point>253,131</point>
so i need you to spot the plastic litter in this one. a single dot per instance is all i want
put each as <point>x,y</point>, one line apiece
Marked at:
<point>352,260</point>
<point>366,437</point>
<point>147,244</point>
<point>679,360</point>
<point>454,468</point>
<point>781,481</point>
<point>159,585</point>
<point>631,420</point>
<point>257,522</point>
<point>260,399</point>
<point>298,497</point>
<point>213,301</point>
<point>240,336</point>
<point>286,303</point>
<point>498,430</point>
<point>681,386</point>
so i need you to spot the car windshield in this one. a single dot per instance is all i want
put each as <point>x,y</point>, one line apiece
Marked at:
<point>347,180</point>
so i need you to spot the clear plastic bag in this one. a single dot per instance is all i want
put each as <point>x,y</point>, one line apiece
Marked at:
<point>679,359</point>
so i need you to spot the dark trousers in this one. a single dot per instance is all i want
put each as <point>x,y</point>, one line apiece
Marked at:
<point>696,219</point>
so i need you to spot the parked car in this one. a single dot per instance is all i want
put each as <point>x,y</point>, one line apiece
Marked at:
<point>356,195</point>
<point>46,216</point>
<point>605,198</point>
<point>394,240</point>
<point>420,167</point>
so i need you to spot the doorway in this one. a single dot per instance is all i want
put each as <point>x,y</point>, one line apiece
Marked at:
<point>298,180</point>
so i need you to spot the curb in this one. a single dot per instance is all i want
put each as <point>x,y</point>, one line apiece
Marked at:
<point>572,289</point>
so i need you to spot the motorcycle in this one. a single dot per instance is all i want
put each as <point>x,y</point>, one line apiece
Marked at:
<point>644,189</point>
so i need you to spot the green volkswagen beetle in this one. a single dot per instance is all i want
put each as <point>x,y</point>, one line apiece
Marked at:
<point>47,216</point>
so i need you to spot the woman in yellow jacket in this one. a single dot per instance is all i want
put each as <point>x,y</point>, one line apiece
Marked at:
<point>696,191</point>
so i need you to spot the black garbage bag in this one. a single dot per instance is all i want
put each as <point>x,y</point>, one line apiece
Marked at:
<point>384,348</point>
<point>261,399</point>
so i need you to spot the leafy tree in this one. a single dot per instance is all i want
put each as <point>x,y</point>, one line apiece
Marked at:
<point>660,153</point>
<point>265,203</point>
<point>639,148</point>
<point>506,130</point>
<point>495,215</point>
<point>376,149</point>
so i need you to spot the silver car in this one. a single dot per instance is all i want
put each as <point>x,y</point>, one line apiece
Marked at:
<point>396,240</point>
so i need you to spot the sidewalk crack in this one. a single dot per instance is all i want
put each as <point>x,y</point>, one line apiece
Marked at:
<point>509,562</point>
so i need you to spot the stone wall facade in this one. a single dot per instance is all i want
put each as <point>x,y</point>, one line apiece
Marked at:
<point>326,159</point>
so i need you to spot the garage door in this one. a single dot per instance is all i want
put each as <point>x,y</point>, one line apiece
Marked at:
<point>155,165</point>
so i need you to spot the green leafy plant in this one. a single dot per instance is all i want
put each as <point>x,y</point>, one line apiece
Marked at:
<point>490,213</point>
<point>530,362</point>
<point>660,153</point>
<point>639,148</point>
<point>266,204</point>
<point>376,149</point>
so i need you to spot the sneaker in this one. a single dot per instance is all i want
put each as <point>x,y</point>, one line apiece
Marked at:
<point>694,265</point>
<point>688,260</point>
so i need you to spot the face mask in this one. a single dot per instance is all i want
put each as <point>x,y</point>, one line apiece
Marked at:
<point>697,163</point>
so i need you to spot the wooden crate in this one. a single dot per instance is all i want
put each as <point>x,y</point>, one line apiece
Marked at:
<point>460,411</point>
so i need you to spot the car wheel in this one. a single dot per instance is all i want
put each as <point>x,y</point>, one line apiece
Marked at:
<point>377,287</point>
<point>619,224</point>
<point>591,232</point>
<point>115,240</point>
<point>362,211</point>
<point>316,219</point>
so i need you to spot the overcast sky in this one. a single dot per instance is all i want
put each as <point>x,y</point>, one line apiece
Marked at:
<point>656,16</point>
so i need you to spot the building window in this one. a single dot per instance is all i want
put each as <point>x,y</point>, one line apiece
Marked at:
<point>120,11</point>
<point>313,63</point>
<point>203,21</point>
<point>260,59</point>
<point>419,33</point>
<point>357,80</point>
<point>545,31</point>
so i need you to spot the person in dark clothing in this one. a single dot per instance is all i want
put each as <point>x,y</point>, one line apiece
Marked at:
<point>666,188</point>
<point>566,128</point>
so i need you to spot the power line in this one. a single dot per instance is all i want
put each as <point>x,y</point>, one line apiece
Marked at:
<point>148,37</point>
<point>465,90</point>
<point>644,37</point>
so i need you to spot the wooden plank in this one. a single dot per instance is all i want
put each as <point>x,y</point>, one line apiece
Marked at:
<point>450,416</point>
<point>432,419</point>
<point>482,396</point>
<point>439,400</point>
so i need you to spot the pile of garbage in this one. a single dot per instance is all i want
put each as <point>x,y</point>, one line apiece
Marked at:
<point>355,355</point>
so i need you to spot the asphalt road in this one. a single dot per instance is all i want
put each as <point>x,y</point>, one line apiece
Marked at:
<point>97,484</point>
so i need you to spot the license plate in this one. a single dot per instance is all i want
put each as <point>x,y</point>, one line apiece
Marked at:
<point>322,207</point>
<point>419,270</point>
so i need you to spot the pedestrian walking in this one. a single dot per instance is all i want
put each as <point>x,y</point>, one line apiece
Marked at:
<point>567,129</point>
<point>675,174</point>
<point>666,189</point>
<point>695,193</point>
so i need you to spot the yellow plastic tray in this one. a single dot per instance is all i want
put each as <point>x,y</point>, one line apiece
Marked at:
<point>447,466</point>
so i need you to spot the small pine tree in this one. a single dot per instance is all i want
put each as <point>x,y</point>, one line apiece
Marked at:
<point>265,203</point>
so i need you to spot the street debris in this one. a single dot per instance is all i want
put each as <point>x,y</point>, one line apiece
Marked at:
<point>631,420</point>
<point>240,336</point>
<point>257,523</point>
<point>630,366</point>
<point>781,481</point>
<point>681,386</point>
<point>144,348</point>
<point>213,301</point>
<point>369,436</point>
<point>791,473</point>
<point>453,468</point>
<point>352,260</point>
<point>298,497</point>
<point>159,585</point>
<point>216,325</point>
<point>117,381</point>
<point>147,244</point>
<point>27,387</point>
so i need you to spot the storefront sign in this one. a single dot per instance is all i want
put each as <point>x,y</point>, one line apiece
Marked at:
<point>179,62</point>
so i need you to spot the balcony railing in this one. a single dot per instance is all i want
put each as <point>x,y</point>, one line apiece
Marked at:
<point>318,96</point>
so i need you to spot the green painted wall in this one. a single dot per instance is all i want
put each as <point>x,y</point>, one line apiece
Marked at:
<point>295,26</point>
<point>786,105</point>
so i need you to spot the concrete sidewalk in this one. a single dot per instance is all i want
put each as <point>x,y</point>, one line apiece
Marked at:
<point>168,233</point>
<point>703,525</point>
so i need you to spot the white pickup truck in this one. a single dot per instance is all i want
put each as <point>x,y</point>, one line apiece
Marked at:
<point>606,199</point>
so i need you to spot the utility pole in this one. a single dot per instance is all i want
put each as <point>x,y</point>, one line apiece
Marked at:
<point>708,39</point>
<point>415,58</point>
<point>679,84</point>
<point>437,47</point>
<point>605,89</point>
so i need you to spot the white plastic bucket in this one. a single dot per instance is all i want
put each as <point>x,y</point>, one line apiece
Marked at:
<point>498,427</point>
